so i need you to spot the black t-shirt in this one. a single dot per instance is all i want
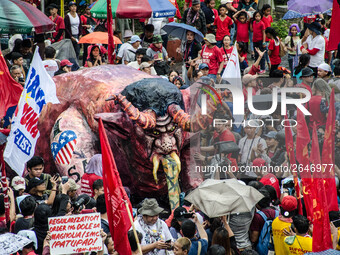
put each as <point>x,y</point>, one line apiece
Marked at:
<point>191,51</point>
<point>23,224</point>
<point>209,14</point>
<point>145,41</point>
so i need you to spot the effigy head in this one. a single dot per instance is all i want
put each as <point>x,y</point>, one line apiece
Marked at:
<point>156,109</point>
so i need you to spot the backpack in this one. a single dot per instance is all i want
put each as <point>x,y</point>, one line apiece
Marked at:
<point>283,49</point>
<point>266,243</point>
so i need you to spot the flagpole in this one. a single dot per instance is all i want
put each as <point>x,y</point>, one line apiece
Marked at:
<point>133,226</point>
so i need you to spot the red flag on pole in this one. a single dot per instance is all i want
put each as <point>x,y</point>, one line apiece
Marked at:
<point>10,90</point>
<point>111,45</point>
<point>334,34</point>
<point>328,150</point>
<point>292,161</point>
<point>302,141</point>
<point>321,228</point>
<point>115,197</point>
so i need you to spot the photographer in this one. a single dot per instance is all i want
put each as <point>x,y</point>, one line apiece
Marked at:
<point>17,75</point>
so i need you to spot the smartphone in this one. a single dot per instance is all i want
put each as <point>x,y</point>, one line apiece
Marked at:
<point>64,179</point>
<point>168,241</point>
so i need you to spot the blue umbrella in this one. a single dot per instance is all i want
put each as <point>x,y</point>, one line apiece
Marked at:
<point>179,30</point>
<point>292,15</point>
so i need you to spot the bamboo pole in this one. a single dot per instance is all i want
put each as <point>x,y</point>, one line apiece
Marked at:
<point>133,227</point>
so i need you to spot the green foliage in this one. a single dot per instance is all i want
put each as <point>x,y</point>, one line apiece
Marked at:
<point>281,27</point>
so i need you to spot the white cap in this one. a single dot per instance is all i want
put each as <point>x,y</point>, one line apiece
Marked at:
<point>325,67</point>
<point>18,183</point>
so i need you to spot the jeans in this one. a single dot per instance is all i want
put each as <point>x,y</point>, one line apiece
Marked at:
<point>290,62</point>
<point>251,41</point>
<point>212,76</point>
<point>232,34</point>
<point>243,65</point>
<point>261,48</point>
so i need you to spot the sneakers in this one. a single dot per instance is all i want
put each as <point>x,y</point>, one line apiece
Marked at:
<point>261,71</point>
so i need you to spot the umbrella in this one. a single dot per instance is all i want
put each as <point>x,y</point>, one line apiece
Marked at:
<point>216,198</point>
<point>179,30</point>
<point>19,17</point>
<point>137,9</point>
<point>91,5</point>
<point>310,6</point>
<point>11,243</point>
<point>295,15</point>
<point>98,37</point>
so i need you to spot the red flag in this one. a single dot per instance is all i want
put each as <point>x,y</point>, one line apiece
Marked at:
<point>10,90</point>
<point>292,161</point>
<point>321,229</point>
<point>302,141</point>
<point>115,196</point>
<point>334,35</point>
<point>111,45</point>
<point>328,150</point>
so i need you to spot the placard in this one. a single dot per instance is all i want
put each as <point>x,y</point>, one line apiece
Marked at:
<point>75,234</point>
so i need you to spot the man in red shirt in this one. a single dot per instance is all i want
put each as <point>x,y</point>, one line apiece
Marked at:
<point>58,21</point>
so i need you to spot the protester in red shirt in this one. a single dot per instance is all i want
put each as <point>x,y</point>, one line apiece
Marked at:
<point>223,24</point>
<point>93,172</point>
<point>273,49</point>
<point>257,27</point>
<point>321,90</point>
<point>58,21</point>
<point>241,19</point>
<point>267,19</point>
<point>211,55</point>
<point>226,51</point>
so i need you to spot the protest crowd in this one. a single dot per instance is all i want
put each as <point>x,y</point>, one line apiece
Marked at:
<point>294,214</point>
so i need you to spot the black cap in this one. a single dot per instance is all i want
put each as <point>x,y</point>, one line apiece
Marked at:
<point>52,6</point>
<point>34,182</point>
<point>315,27</point>
<point>306,72</point>
<point>179,212</point>
<point>72,3</point>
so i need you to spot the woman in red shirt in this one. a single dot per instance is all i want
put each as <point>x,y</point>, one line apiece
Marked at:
<point>223,24</point>
<point>273,49</point>
<point>257,27</point>
<point>226,51</point>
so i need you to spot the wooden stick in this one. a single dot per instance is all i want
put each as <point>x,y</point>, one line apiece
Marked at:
<point>133,227</point>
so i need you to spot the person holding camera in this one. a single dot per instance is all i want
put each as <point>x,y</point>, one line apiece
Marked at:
<point>156,235</point>
<point>17,74</point>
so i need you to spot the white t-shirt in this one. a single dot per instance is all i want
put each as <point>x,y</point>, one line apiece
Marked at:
<point>51,66</point>
<point>246,146</point>
<point>317,42</point>
<point>74,24</point>
<point>166,235</point>
<point>158,24</point>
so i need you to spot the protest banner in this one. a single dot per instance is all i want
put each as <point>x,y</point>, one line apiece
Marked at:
<point>39,90</point>
<point>75,234</point>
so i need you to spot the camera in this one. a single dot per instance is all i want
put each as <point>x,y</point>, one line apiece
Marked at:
<point>64,179</point>
<point>188,215</point>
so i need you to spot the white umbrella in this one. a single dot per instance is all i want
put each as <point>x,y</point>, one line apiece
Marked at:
<point>216,198</point>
